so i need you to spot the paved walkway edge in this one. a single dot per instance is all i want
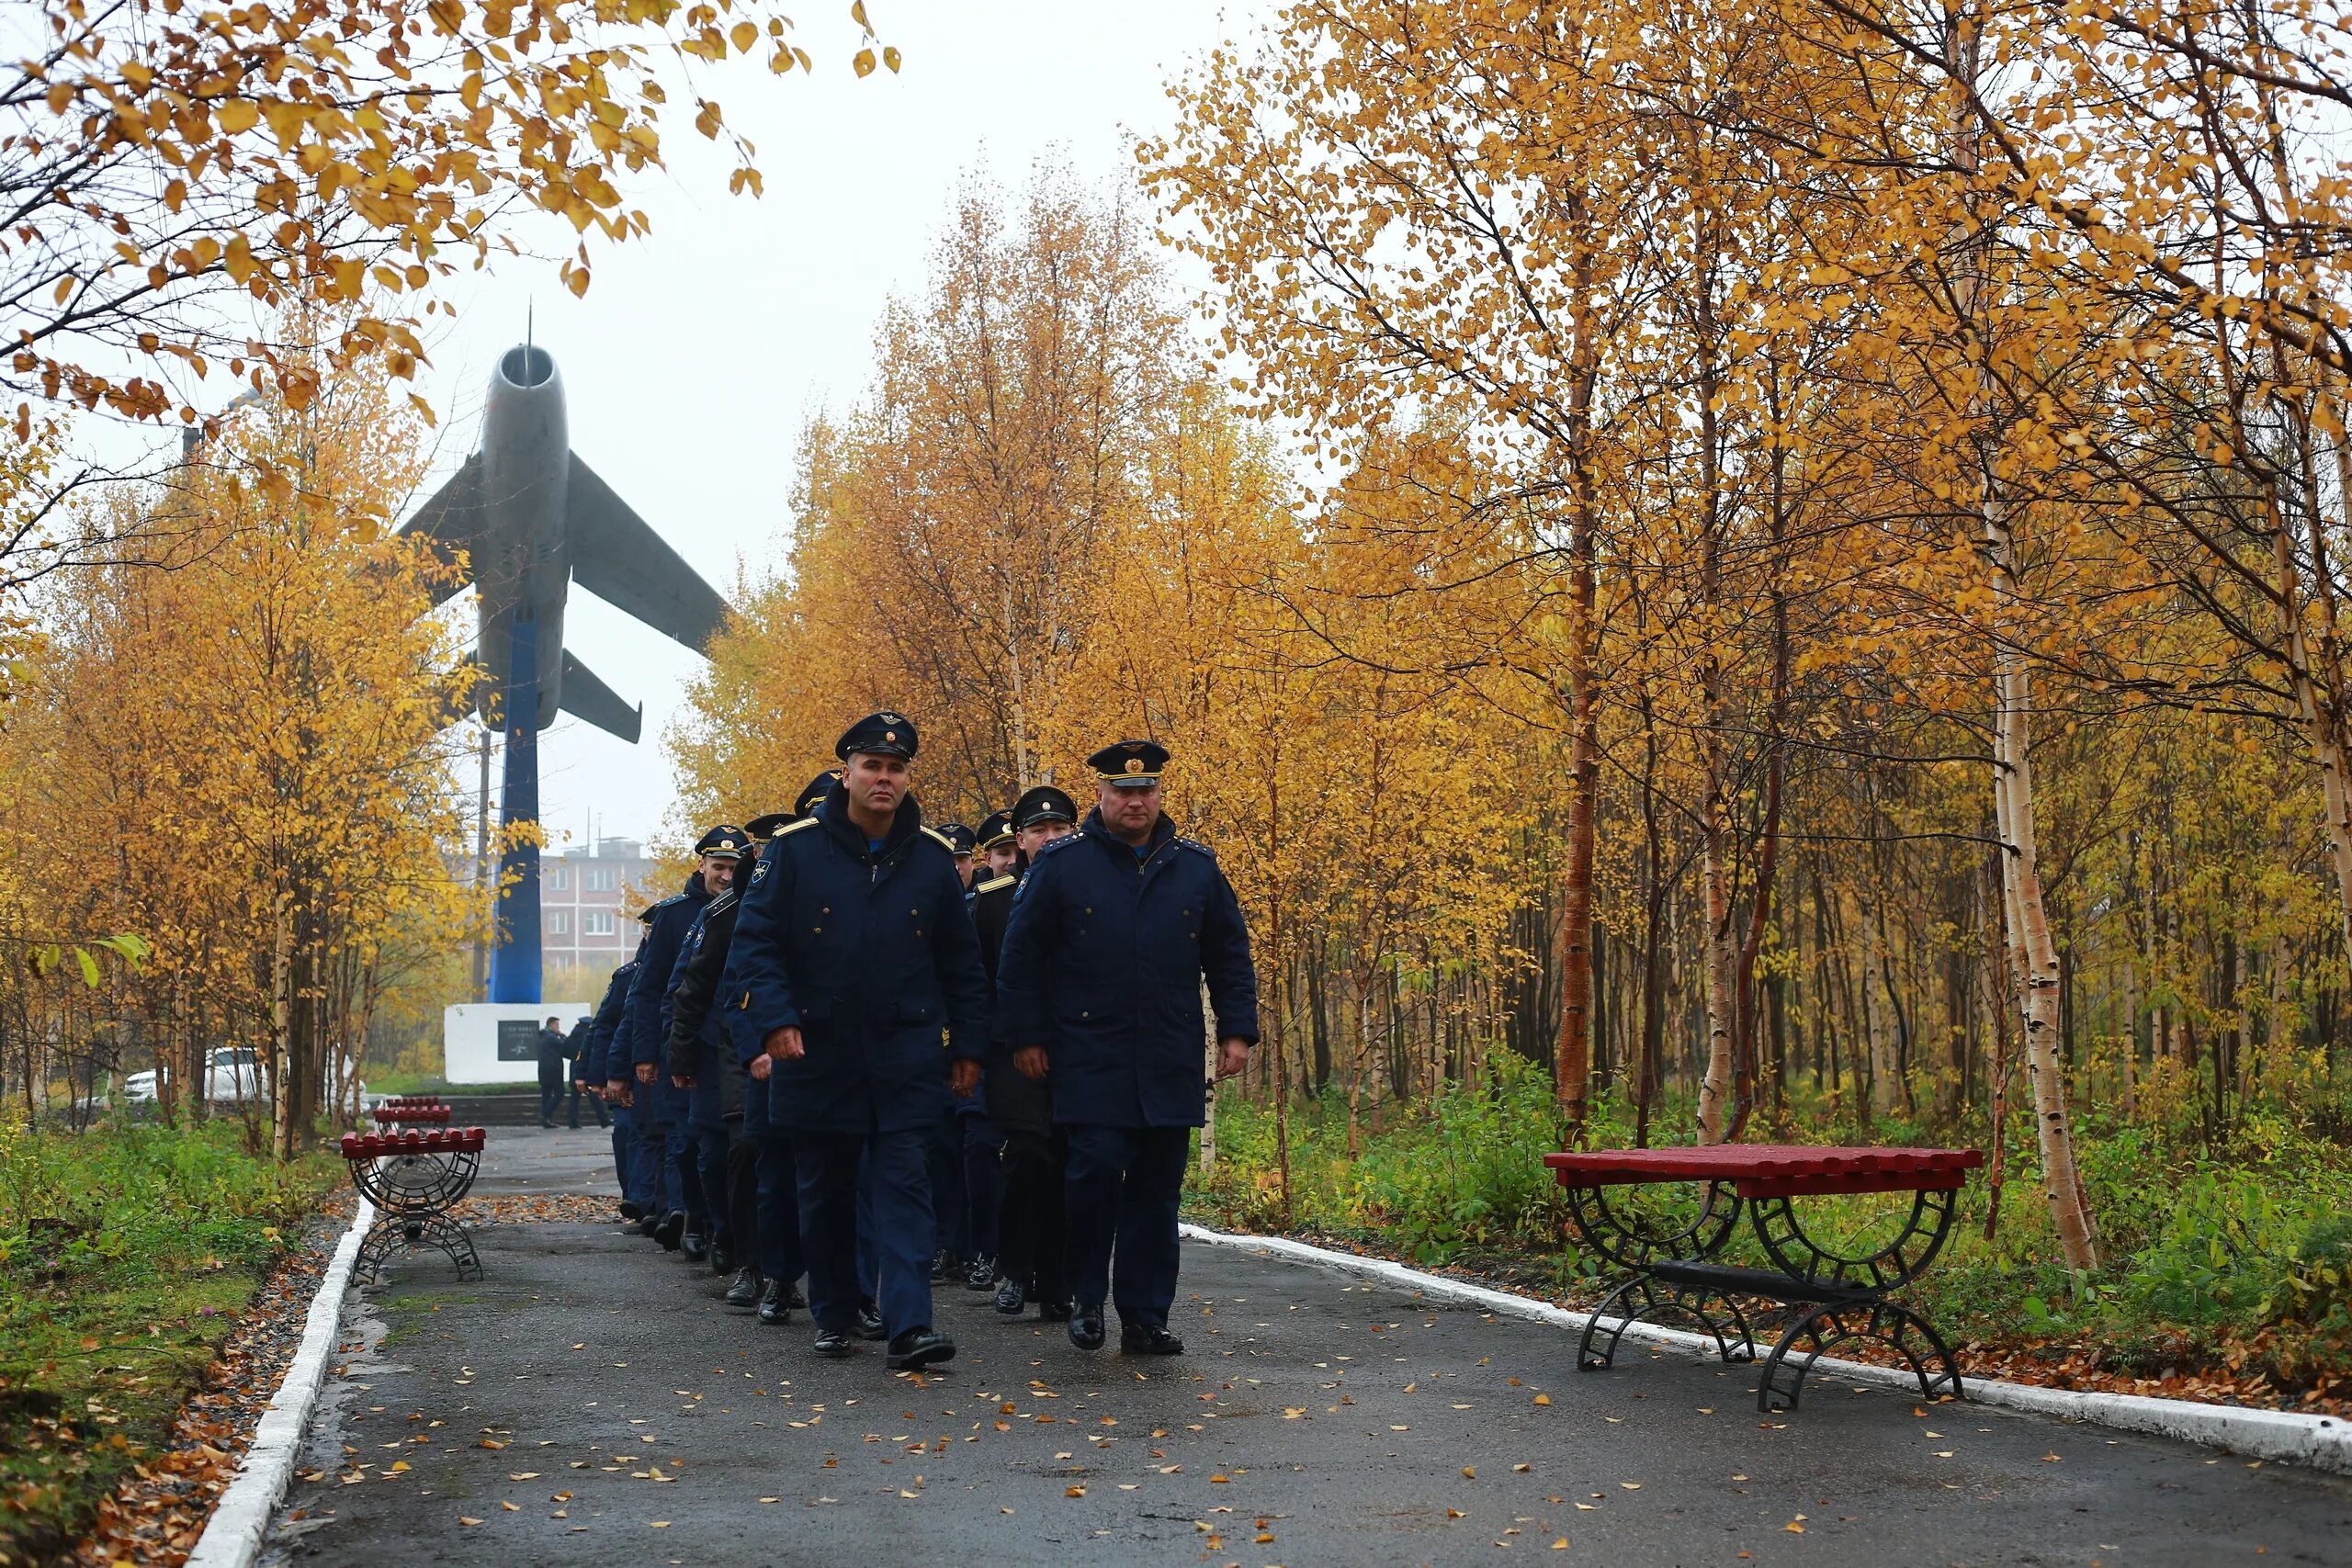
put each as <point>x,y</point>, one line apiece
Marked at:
<point>2322,1442</point>
<point>232,1537</point>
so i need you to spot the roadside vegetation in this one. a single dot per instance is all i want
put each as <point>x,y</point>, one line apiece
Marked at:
<point>2230,1268</point>
<point>126,1253</point>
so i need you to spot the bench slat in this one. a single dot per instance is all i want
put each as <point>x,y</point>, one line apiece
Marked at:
<point>1772,1171</point>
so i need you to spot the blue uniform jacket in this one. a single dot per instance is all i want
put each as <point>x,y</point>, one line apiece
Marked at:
<point>705,1102</point>
<point>595,1068</point>
<point>871,956</point>
<point>645,1026</point>
<point>1103,961</point>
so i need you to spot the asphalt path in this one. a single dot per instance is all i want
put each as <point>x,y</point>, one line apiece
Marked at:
<point>592,1400</point>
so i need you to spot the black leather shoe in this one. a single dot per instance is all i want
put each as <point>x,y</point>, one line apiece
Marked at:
<point>1086,1328</point>
<point>743,1291</point>
<point>695,1246</point>
<point>775,1304</point>
<point>648,1223</point>
<point>869,1322</point>
<point>670,1231</point>
<point>941,1266</point>
<point>833,1345</point>
<point>722,1260</point>
<point>981,1275</point>
<point>1148,1339</point>
<point>631,1212</point>
<point>919,1347</point>
<point>1010,1297</point>
<point>1053,1312</point>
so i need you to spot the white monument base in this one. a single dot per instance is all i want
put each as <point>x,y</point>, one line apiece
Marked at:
<point>499,1041</point>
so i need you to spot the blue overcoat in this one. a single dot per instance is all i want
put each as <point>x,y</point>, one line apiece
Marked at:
<point>596,1067</point>
<point>646,1025</point>
<point>870,954</point>
<point>1103,963</point>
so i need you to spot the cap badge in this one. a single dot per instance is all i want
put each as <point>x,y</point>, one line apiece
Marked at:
<point>889,735</point>
<point>1134,764</point>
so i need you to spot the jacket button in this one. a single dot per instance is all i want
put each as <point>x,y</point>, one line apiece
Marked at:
<point>1083,1013</point>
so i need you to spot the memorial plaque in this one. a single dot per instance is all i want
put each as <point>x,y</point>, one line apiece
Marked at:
<point>519,1040</point>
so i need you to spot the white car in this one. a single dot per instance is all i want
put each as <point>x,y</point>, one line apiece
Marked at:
<point>232,1073</point>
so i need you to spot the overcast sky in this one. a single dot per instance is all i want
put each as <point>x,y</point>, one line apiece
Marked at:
<point>697,355</point>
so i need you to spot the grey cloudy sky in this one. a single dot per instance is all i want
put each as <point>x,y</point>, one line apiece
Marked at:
<point>697,355</point>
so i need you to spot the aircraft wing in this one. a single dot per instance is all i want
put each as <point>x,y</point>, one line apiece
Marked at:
<point>615,556</point>
<point>586,697</point>
<point>452,520</point>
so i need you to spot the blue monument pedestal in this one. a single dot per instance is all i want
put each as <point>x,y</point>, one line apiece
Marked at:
<point>515,960</point>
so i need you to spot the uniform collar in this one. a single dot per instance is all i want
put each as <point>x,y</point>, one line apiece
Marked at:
<point>834,814</point>
<point>1161,832</point>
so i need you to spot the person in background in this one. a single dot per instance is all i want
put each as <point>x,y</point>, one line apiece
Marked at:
<point>554,1052</point>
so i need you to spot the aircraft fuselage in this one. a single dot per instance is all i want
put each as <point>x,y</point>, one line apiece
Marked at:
<point>522,561</point>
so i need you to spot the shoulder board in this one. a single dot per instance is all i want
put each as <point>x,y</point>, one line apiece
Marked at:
<point>792,827</point>
<point>1053,845</point>
<point>938,838</point>
<point>993,882</point>
<point>720,905</point>
<point>673,898</point>
<point>1198,847</point>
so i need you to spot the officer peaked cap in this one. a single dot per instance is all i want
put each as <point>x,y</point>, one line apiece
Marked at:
<point>725,840</point>
<point>885,734</point>
<point>959,837</point>
<point>996,828</point>
<point>1129,764</point>
<point>815,790</point>
<point>1043,804</point>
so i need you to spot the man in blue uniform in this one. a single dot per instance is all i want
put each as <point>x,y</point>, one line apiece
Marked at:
<point>1111,934</point>
<point>702,1162</point>
<point>576,1068</point>
<point>660,1113</point>
<point>1021,1108</point>
<point>605,1080</point>
<point>950,1202</point>
<point>854,964</point>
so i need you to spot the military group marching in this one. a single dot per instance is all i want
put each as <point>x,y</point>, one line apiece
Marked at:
<point>886,1056</point>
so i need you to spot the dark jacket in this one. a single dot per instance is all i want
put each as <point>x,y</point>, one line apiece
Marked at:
<point>576,1048</point>
<point>872,956</point>
<point>553,1049</point>
<point>642,1025</point>
<point>1103,963</point>
<point>596,1067</point>
<point>692,1029</point>
<point>1015,1103</point>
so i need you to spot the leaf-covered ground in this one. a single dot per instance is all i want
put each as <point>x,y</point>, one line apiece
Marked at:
<point>127,1257</point>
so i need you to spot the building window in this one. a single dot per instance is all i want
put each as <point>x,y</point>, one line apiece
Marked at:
<point>597,878</point>
<point>559,922</point>
<point>559,876</point>
<point>598,922</point>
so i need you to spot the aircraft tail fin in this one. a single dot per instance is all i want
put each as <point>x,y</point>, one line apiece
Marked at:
<point>586,697</point>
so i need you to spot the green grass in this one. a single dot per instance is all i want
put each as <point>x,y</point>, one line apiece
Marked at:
<point>126,1253</point>
<point>2236,1254</point>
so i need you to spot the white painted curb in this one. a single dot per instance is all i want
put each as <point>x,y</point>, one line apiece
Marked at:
<point>232,1536</point>
<point>2323,1442</point>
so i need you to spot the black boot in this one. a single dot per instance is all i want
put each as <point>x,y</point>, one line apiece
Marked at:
<point>744,1292</point>
<point>1010,1297</point>
<point>631,1212</point>
<point>648,1223</point>
<point>1053,1312</point>
<point>981,1275</point>
<point>670,1233</point>
<point>1148,1339</point>
<point>833,1345</point>
<point>919,1347</point>
<point>694,1245</point>
<point>722,1260</point>
<point>870,1322</point>
<point>775,1304</point>
<point>941,1266</point>
<point>1086,1327</point>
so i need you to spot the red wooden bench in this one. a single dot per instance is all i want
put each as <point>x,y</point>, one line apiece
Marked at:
<point>1829,1296</point>
<point>390,1114</point>
<point>414,1178</point>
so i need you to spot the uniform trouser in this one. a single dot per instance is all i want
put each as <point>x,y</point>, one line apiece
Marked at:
<point>1120,1192</point>
<point>983,1161</point>
<point>656,1169</point>
<point>550,1096</point>
<point>684,1176</point>
<point>827,1166</point>
<point>869,1246</point>
<point>1029,1227</point>
<point>702,1169</point>
<point>593,1104</point>
<point>777,1198</point>
<point>943,1157</point>
<point>738,1228</point>
<point>625,1154</point>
